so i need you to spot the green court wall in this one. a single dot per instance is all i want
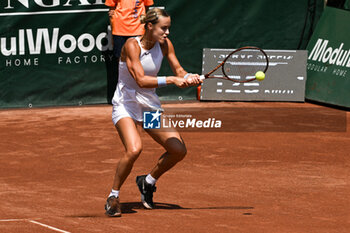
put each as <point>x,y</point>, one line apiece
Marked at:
<point>328,66</point>
<point>56,57</point>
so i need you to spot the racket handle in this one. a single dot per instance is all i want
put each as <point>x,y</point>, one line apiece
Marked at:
<point>202,77</point>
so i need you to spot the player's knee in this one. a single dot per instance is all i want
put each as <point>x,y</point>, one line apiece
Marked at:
<point>133,153</point>
<point>182,153</point>
<point>179,151</point>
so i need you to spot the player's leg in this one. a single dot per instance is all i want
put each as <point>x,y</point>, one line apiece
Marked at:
<point>129,135</point>
<point>175,152</point>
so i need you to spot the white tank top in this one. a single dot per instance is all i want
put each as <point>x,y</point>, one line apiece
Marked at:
<point>128,93</point>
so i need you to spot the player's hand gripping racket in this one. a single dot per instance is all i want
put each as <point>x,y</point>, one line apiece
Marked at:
<point>245,64</point>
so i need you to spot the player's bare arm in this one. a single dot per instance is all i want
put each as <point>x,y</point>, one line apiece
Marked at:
<point>131,54</point>
<point>169,53</point>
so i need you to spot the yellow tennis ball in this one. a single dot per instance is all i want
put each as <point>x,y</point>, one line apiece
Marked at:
<point>260,75</point>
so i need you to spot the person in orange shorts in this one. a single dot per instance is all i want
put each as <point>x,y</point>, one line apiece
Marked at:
<point>124,16</point>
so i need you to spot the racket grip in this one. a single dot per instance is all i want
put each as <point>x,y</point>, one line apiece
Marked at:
<point>201,77</point>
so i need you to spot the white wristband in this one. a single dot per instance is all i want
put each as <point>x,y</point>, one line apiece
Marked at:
<point>186,75</point>
<point>161,81</point>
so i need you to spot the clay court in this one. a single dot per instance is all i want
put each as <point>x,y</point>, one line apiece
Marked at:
<point>57,167</point>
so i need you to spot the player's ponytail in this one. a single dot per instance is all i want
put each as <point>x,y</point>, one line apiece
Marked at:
<point>143,19</point>
<point>152,16</point>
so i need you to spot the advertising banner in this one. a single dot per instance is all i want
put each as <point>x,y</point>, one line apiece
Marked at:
<point>53,52</point>
<point>328,66</point>
<point>285,77</point>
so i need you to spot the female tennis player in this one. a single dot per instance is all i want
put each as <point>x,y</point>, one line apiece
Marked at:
<point>141,58</point>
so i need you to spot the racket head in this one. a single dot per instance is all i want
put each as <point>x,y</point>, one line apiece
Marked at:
<point>242,64</point>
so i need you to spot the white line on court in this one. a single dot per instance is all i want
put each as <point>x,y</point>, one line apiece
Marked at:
<point>12,220</point>
<point>47,226</point>
<point>35,222</point>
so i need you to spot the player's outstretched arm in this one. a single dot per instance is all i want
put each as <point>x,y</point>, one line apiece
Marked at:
<point>169,51</point>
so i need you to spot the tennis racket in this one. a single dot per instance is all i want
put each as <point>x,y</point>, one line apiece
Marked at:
<point>241,65</point>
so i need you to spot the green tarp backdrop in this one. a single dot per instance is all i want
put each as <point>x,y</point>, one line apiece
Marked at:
<point>328,67</point>
<point>58,52</point>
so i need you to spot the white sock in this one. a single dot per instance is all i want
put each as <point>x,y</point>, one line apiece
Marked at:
<point>114,193</point>
<point>150,179</point>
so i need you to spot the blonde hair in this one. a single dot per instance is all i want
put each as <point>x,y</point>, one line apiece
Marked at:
<point>152,16</point>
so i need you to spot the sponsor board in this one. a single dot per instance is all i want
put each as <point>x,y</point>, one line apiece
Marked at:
<point>54,52</point>
<point>328,64</point>
<point>285,78</point>
<point>65,40</point>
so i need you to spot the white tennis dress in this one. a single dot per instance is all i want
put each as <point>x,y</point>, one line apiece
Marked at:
<point>129,99</point>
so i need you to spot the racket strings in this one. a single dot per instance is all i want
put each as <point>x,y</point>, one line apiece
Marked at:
<point>243,64</point>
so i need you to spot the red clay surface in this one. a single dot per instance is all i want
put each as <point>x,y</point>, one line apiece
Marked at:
<point>57,167</point>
